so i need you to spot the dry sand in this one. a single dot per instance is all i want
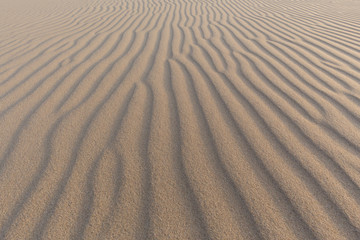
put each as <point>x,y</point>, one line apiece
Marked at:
<point>180,119</point>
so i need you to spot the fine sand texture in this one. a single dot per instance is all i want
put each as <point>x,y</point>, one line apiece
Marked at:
<point>180,119</point>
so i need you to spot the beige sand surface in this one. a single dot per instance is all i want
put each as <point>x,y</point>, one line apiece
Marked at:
<point>180,119</point>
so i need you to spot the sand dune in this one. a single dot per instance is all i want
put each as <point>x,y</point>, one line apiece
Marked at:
<point>180,119</point>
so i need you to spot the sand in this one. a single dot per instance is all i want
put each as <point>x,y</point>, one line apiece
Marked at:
<point>180,119</point>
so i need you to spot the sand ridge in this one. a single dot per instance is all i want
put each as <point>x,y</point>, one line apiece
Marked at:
<point>180,119</point>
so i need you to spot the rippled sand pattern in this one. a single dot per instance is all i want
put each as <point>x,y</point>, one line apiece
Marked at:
<point>180,119</point>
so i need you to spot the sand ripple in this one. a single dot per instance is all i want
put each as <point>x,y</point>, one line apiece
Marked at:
<point>180,119</point>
